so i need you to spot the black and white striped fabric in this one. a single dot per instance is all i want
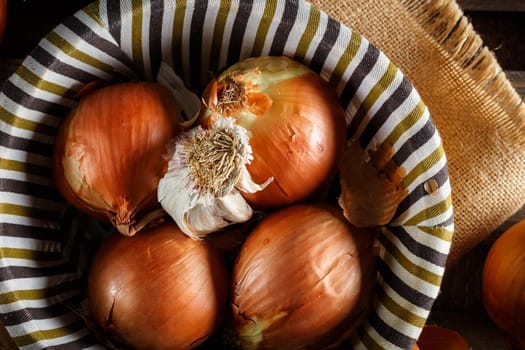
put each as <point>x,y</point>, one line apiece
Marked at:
<point>43,252</point>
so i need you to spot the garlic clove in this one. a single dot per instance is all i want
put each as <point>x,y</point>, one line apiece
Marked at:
<point>203,219</point>
<point>246,183</point>
<point>201,189</point>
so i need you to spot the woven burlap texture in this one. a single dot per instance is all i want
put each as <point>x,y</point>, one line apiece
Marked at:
<point>478,114</point>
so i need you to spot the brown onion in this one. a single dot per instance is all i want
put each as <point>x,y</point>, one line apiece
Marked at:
<point>304,279</point>
<point>504,283</point>
<point>295,120</point>
<point>440,338</point>
<point>3,18</point>
<point>158,289</point>
<point>109,152</point>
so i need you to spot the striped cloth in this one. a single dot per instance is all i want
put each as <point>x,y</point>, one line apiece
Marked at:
<point>43,246</point>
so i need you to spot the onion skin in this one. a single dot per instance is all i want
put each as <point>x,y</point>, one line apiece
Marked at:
<point>3,18</point>
<point>371,185</point>
<point>158,289</point>
<point>296,122</point>
<point>503,283</point>
<point>440,338</point>
<point>109,152</point>
<point>304,279</point>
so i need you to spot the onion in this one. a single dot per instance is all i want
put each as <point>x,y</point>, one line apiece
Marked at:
<point>440,338</point>
<point>158,289</point>
<point>3,18</point>
<point>504,283</point>
<point>304,278</point>
<point>295,120</point>
<point>109,152</point>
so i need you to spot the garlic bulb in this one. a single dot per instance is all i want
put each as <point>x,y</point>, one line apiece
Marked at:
<point>206,172</point>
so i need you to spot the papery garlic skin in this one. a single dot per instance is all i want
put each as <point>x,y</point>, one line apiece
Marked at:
<point>189,102</point>
<point>206,172</point>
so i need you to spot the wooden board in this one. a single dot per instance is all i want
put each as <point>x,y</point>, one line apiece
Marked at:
<point>493,5</point>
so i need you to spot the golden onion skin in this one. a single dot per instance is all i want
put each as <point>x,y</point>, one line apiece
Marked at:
<point>440,338</point>
<point>109,152</point>
<point>158,289</point>
<point>3,18</point>
<point>304,279</point>
<point>296,122</point>
<point>504,283</point>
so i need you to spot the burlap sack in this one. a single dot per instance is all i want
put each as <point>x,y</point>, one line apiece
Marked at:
<point>479,115</point>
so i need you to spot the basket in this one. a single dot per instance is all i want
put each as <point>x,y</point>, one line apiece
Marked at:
<point>45,246</point>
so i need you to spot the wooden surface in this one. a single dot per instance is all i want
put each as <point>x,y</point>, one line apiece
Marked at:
<point>499,22</point>
<point>492,5</point>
